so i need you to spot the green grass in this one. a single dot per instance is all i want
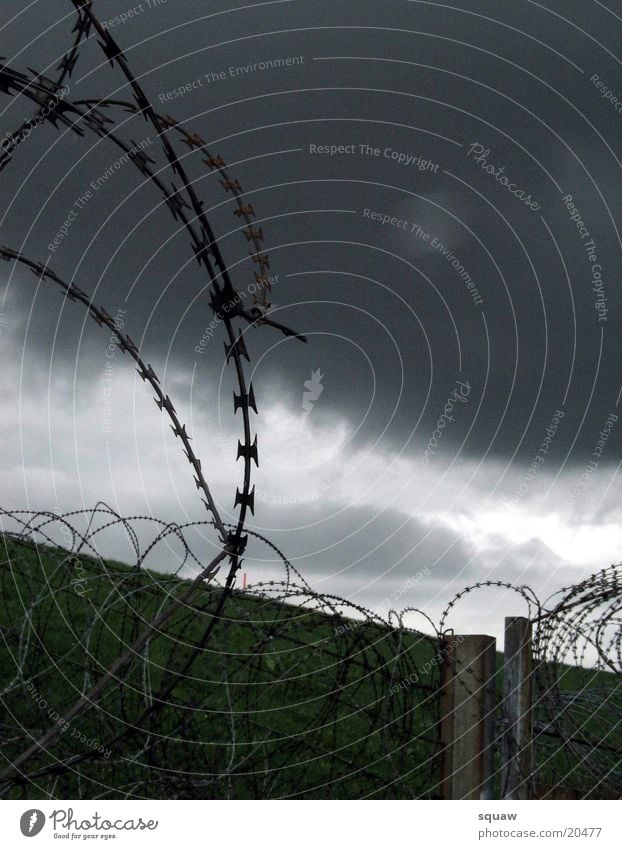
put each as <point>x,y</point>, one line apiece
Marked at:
<point>282,700</point>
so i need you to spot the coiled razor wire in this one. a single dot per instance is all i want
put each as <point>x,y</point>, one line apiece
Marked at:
<point>53,105</point>
<point>577,684</point>
<point>299,694</point>
<point>124,681</point>
<point>578,717</point>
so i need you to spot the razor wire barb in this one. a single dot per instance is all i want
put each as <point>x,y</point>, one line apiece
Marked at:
<point>305,694</point>
<point>577,683</point>
<point>225,302</point>
<point>298,687</point>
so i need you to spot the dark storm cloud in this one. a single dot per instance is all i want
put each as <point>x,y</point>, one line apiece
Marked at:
<point>392,322</point>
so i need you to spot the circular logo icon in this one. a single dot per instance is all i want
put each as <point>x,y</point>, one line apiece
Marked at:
<point>32,822</point>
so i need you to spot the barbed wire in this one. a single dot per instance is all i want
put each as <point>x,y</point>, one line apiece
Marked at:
<point>300,683</point>
<point>578,693</point>
<point>225,302</point>
<point>305,694</point>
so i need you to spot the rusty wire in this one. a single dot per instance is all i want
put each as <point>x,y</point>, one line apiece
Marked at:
<point>54,106</point>
<point>217,696</point>
<point>299,694</point>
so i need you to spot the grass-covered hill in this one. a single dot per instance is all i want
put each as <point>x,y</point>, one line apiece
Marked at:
<point>276,700</point>
<point>276,695</point>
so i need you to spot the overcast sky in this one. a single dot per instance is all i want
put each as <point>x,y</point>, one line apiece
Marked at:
<point>434,264</point>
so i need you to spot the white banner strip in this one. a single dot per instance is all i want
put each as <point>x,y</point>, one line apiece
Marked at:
<point>310,825</point>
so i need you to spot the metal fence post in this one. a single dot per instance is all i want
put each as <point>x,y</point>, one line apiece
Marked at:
<point>517,747</point>
<point>467,725</point>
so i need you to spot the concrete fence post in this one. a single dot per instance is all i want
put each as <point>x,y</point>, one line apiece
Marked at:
<point>517,746</point>
<point>467,721</point>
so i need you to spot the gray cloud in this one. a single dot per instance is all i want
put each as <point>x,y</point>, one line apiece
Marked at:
<point>391,321</point>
